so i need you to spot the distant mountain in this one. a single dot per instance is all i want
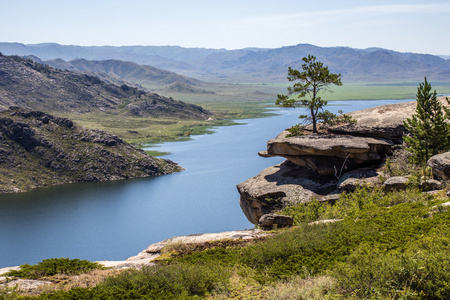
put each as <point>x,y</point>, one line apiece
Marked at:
<point>128,71</point>
<point>254,64</point>
<point>26,83</point>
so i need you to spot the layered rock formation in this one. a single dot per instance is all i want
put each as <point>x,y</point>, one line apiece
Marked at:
<point>322,165</point>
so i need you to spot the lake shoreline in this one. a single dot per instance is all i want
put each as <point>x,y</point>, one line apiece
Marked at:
<point>153,251</point>
<point>117,219</point>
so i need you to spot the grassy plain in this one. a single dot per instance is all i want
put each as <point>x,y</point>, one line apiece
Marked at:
<point>230,102</point>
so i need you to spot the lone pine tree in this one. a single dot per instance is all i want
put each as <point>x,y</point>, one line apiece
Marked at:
<point>428,130</point>
<point>314,78</point>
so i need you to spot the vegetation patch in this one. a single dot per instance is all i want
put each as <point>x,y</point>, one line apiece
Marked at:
<point>385,246</point>
<point>53,266</point>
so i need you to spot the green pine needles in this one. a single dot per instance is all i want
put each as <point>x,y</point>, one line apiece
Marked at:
<point>428,129</point>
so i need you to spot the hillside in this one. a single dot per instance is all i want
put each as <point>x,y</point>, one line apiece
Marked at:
<point>129,71</point>
<point>256,65</point>
<point>38,149</point>
<point>28,84</point>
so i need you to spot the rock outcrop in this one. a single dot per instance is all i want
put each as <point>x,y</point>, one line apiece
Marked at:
<point>38,149</point>
<point>154,250</point>
<point>396,183</point>
<point>351,180</point>
<point>275,221</point>
<point>322,165</point>
<point>329,153</point>
<point>281,185</point>
<point>385,121</point>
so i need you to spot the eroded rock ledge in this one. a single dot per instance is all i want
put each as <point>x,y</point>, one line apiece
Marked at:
<point>323,165</point>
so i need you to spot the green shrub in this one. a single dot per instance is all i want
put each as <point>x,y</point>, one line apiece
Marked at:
<point>53,266</point>
<point>171,281</point>
<point>306,212</point>
<point>418,272</point>
<point>329,119</point>
<point>296,130</point>
<point>352,204</point>
<point>305,250</point>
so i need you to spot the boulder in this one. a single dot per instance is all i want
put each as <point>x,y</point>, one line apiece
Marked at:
<point>351,180</point>
<point>431,185</point>
<point>396,183</point>
<point>274,220</point>
<point>440,165</point>
<point>328,154</point>
<point>279,186</point>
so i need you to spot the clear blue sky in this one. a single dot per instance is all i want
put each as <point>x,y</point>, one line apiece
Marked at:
<point>407,26</point>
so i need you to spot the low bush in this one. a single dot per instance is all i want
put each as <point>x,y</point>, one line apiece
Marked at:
<point>53,266</point>
<point>296,130</point>
<point>166,281</point>
<point>351,204</point>
<point>419,271</point>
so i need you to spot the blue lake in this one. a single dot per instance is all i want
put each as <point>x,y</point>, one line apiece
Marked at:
<point>116,220</point>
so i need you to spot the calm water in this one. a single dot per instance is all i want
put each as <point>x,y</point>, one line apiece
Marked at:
<point>116,220</point>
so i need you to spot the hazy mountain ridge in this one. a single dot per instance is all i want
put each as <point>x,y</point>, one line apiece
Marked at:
<point>129,71</point>
<point>372,64</point>
<point>27,84</point>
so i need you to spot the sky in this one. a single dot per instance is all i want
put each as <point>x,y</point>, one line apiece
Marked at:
<point>405,26</point>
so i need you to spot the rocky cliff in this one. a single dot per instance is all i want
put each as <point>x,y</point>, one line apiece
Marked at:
<point>323,165</point>
<point>38,149</point>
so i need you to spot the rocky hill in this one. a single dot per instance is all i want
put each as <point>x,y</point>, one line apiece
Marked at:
<point>253,64</point>
<point>26,83</point>
<point>38,149</point>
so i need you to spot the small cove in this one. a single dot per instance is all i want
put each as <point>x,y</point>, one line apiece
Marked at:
<point>116,220</point>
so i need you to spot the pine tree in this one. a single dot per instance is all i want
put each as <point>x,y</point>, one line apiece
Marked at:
<point>314,78</point>
<point>428,131</point>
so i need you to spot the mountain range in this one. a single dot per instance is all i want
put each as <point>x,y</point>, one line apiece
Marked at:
<point>242,65</point>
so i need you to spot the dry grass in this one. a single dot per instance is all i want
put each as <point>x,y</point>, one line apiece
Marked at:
<point>243,287</point>
<point>398,164</point>
<point>298,288</point>
<point>180,249</point>
<point>65,282</point>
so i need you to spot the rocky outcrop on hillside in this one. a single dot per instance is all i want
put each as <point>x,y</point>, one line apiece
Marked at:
<point>38,149</point>
<point>28,84</point>
<point>323,165</point>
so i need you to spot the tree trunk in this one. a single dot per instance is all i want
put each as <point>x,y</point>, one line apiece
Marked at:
<point>313,116</point>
